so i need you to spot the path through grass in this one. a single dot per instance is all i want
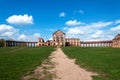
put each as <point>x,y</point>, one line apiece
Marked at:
<point>18,61</point>
<point>105,61</point>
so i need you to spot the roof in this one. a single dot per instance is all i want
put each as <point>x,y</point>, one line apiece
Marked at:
<point>117,37</point>
<point>57,31</point>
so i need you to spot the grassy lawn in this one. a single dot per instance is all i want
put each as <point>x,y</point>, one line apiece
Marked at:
<point>104,61</point>
<point>18,61</point>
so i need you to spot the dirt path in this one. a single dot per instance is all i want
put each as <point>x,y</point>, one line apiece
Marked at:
<point>66,69</point>
<point>59,67</point>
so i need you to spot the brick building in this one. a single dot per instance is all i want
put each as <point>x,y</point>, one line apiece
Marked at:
<point>116,41</point>
<point>59,39</point>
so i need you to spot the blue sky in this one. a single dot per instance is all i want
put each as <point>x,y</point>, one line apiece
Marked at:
<point>28,20</point>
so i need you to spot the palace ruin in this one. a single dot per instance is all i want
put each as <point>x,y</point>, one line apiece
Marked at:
<point>59,39</point>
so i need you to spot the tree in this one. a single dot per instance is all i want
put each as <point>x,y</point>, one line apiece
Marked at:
<point>2,41</point>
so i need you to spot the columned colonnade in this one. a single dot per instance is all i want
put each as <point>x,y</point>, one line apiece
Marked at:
<point>73,41</point>
<point>96,43</point>
<point>19,43</point>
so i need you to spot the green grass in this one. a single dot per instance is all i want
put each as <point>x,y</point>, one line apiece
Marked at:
<point>16,62</point>
<point>104,61</point>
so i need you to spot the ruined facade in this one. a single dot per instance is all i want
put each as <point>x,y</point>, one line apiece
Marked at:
<point>59,39</point>
<point>40,42</point>
<point>72,42</point>
<point>116,41</point>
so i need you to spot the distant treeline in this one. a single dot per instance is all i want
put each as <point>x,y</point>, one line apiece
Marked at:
<point>2,42</point>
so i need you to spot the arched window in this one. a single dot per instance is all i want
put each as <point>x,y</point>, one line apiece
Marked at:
<point>57,39</point>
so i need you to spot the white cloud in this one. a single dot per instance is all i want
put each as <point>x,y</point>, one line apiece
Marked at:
<point>20,19</point>
<point>93,31</point>
<point>81,11</point>
<point>100,24</point>
<point>117,22</point>
<point>7,31</point>
<point>36,35</point>
<point>117,28</point>
<point>97,34</point>
<point>22,37</point>
<point>33,37</point>
<point>51,38</point>
<point>74,31</point>
<point>73,23</point>
<point>62,14</point>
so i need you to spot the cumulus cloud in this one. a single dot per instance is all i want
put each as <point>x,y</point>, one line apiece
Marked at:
<point>33,37</point>
<point>20,19</point>
<point>73,23</point>
<point>7,31</point>
<point>62,14</point>
<point>93,31</point>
